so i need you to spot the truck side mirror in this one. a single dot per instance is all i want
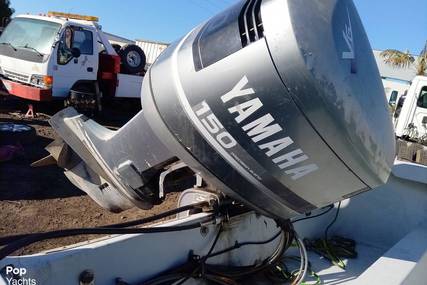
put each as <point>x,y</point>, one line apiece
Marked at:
<point>75,52</point>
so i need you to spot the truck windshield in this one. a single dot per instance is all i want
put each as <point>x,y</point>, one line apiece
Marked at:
<point>37,35</point>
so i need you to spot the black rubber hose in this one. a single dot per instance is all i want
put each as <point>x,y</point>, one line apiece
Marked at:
<point>8,239</point>
<point>224,274</point>
<point>10,248</point>
<point>330,207</point>
<point>203,259</point>
<point>333,221</point>
<point>240,244</point>
<point>238,272</point>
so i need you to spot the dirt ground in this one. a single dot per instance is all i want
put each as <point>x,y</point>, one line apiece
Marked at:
<point>42,199</point>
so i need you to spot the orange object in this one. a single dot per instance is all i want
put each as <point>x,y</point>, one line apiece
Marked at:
<point>48,80</point>
<point>73,16</point>
<point>25,91</point>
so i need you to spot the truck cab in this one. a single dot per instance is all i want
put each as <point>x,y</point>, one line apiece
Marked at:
<point>43,58</point>
<point>412,119</point>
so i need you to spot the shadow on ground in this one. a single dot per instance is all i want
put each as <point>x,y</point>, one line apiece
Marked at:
<point>20,181</point>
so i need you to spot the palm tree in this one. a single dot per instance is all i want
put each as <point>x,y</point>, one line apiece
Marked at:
<point>5,12</point>
<point>422,62</point>
<point>397,58</point>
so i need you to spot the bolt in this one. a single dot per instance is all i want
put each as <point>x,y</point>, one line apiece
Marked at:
<point>87,277</point>
<point>204,231</point>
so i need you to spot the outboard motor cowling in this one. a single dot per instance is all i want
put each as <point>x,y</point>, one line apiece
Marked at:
<point>279,101</point>
<point>276,103</point>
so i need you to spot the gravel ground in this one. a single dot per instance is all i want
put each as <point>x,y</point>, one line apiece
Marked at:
<point>41,199</point>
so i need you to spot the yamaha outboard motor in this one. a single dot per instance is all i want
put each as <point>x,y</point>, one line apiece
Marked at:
<point>276,103</point>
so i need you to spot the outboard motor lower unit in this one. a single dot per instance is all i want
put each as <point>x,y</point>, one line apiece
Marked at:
<point>277,103</point>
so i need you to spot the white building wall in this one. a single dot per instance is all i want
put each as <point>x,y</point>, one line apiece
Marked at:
<point>395,79</point>
<point>151,49</point>
<point>388,71</point>
<point>391,86</point>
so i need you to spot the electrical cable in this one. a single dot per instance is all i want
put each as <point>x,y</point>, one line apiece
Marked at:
<point>280,273</point>
<point>218,274</point>
<point>202,270</point>
<point>326,246</point>
<point>239,272</point>
<point>289,275</point>
<point>182,277</point>
<point>333,221</point>
<point>298,272</point>
<point>224,274</point>
<point>330,207</point>
<point>332,249</point>
<point>239,245</point>
<point>30,239</point>
<point>335,248</point>
<point>203,260</point>
<point>8,239</point>
<point>304,262</point>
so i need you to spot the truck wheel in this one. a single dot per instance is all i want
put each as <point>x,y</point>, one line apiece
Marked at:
<point>132,58</point>
<point>12,133</point>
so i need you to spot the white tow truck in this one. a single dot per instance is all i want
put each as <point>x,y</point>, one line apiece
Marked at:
<point>67,57</point>
<point>411,122</point>
<point>412,116</point>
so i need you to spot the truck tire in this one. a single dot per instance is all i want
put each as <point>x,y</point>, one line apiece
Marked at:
<point>132,59</point>
<point>12,133</point>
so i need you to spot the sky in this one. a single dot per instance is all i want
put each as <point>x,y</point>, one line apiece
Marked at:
<point>395,24</point>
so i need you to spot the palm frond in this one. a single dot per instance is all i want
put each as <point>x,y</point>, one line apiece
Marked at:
<point>422,61</point>
<point>397,58</point>
<point>422,65</point>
